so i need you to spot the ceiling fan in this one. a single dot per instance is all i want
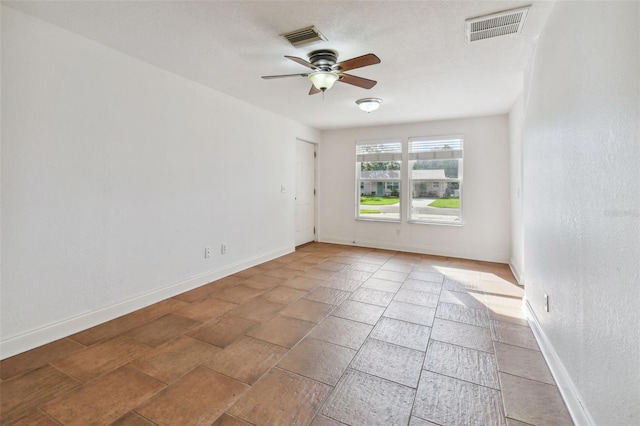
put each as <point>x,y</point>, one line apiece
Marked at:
<point>327,70</point>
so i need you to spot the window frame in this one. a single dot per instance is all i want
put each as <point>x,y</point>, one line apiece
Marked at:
<point>395,156</point>
<point>436,155</point>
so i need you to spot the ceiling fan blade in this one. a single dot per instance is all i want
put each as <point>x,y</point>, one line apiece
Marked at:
<point>313,90</point>
<point>301,62</point>
<point>365,83</point>
<point>269,77</point>
<point>359,62</point>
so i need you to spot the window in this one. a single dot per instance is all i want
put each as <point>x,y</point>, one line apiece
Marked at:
<point>435,180</point>
<point>379,173</point>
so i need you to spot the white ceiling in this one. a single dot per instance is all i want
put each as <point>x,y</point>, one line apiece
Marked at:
<point>427,71</point>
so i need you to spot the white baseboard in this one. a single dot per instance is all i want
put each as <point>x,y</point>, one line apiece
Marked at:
<point>516,273</point>
<point>49,333</point>
<point>568,390</point>
<point>422,249</point>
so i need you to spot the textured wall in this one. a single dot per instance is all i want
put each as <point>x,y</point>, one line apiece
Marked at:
<point>116,175</point>
<point>485,203</point>
<point>581,150</point>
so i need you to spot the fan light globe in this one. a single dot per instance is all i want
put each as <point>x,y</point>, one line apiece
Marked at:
<point>323,80</point>
<point>369,104</point>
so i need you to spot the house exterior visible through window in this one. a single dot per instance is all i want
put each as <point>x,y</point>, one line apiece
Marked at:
<point>433,184</point>
<point>435,179</point>
<point>379,173</point>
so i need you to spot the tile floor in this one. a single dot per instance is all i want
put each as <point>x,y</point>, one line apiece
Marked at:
<point>328,335</point>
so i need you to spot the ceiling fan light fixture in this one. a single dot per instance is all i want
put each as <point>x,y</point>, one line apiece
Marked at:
<point>369,104</point>
<point>323,80</point>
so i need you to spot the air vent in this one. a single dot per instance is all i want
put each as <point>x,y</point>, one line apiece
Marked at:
<point>303,37</point>
<point>495,25</point>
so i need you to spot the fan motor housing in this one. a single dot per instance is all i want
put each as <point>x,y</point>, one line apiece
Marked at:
<point>323,59</point>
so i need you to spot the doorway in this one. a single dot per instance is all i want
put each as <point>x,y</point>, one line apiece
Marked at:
<point>305,192</point>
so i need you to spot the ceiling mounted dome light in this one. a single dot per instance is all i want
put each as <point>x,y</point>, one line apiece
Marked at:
<point>369,104</point>
<point>323,80</point>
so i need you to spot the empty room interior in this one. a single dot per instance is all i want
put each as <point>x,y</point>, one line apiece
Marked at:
<point>320,213</point>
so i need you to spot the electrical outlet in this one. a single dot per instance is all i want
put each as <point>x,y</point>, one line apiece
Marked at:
<point>546,302</point>
<point>207,252</point>
<point>398,231</point>
<point>223,248</point>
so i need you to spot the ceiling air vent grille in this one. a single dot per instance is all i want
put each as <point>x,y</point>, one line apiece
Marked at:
<point>496,24</point>
<point>304,36</point>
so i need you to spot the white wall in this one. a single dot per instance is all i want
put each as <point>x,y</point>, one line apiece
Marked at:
<point>485,233</point>
<point>581,151</point>
<point>115,177</point>
<point>516,261</point>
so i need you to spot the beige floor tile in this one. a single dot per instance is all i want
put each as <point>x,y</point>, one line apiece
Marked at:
<point>132,419</point>
<point>445,400</point>
<point>281,330</point>
<point>533,402</point>
<point>284,295</point>
<point>327,295</point>
<point>340,283</point>
<point>239,293</point>
<point>307,310</point>
<point>388,361</point>
<point>261,282</point>
<point>38,357</point>
<point>425,286</point>
<point>320,420</point>
<point>223,331</point>
<point>363,399</point>
<point>416,421</point>
<point>522,362</point>
<point>98,403</point>
<point>24,393</point>
<point>399,277</point>
<point>206,309</point>
<point>302,283</point>
<point>342,332</point>
<point>463,314</point>
<point>371,296</point>
<point>358,311</point>
<point>364,267</point>
<point>382,285</point>
<point>462,363</point>
<point>107,330</point>
<point>162,330</point>
<point>101,358</point>
<point>460,334</point>
<point>470,300</point>
<point>318,360</point>
<point>198,293</point>
<point>428,275</point>
<point>417,314</point>
<point>332,266</point>
<point>257,309</point>
<point>284,273</point>
<point>397,266</point>
<point>317,273</point>
<point>417,297</point>
<point>407,334</point>
<point>511,422</point>
<point>354,275</point>
<point>227,420</point>
<point>172,360</point>
<point>200,397</point>
<point>159,309</point>
<point>513,334</point>
<point>281,398</point>
<point>36,418</point>
<point>247,359</point>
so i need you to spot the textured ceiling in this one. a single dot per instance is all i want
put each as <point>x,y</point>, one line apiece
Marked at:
<point>427,71</point>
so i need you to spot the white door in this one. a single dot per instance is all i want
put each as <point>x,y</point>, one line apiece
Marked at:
<point>305,192</point>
